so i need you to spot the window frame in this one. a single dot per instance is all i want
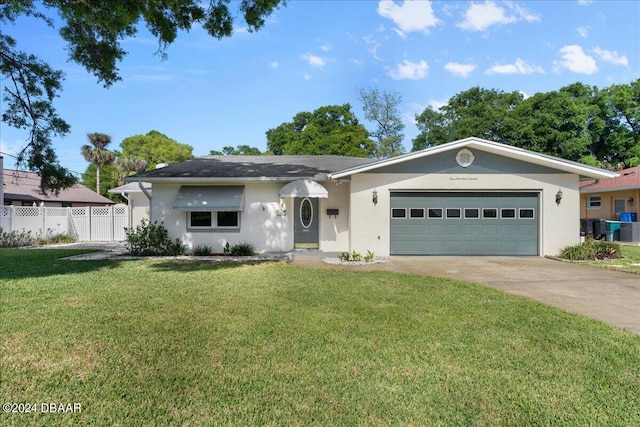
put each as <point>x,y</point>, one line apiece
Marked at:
<point>533,213</point>
<point>484,216</point>
<point>591,202</point>
<point>394,210</point>
<point>515,213</point>
<point>412,210</point>
<point>447,216</point>
<point>214,222</point>
<point>429,211</point>
<point>465,216</point>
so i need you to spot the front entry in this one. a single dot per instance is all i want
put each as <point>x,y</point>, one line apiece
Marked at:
<point>305,230</point>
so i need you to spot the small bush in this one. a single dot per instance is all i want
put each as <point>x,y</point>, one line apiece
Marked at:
<point>202,250</point>
<point>227,249</point>
<point>240,249</point>
<point>16,239</point>
<point>151,238</point>
<point>345,256</point>
<point>369,256</point>
<point>356,256</point>
<point>592,249</point>
<point>65,238</point>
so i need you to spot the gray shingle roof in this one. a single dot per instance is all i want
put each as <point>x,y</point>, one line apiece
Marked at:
<point>253,167</point>
<point>25,186</point>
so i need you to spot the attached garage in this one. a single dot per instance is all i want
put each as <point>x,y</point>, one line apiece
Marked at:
<point>467,197</point>
<point>464,223</point>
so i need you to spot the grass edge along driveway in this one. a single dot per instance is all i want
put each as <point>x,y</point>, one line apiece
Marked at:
<point>191,343</point>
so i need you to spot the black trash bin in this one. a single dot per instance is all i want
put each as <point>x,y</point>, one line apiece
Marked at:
<point>586,226</point>
<point>599,228</point>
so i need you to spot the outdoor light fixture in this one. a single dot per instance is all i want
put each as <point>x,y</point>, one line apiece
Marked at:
<point>630,200</point>
<point>375,197</point>
<point>559,196</point>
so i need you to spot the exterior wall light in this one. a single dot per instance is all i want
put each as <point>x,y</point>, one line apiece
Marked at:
<point>374,197</point>
<point>630,201</point>
<point>559,196</point>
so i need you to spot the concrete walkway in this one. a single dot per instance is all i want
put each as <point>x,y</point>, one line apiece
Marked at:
<point>610,296</point>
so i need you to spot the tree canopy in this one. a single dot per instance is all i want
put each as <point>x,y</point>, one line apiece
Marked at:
<point>94,32</point>
<point>240,150</point>
<point>332,129</point>
<point>383,108</point>
<point>98,154</point>
<point>155,148</point>
<point>576,122</point>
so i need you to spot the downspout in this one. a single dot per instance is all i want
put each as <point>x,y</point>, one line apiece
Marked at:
<point>144,190</point>
<point>146,193</point>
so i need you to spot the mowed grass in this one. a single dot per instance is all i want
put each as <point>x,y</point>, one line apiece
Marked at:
<point>630,261</point>
<point>189,343</point>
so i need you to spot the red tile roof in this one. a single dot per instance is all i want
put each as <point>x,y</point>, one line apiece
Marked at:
<point>25,186</point>
<point>628,179</point>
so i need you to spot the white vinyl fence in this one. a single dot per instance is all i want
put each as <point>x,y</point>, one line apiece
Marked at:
<point>90,223</point>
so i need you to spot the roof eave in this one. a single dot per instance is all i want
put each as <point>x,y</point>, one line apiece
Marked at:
<point>491,147</point>
<point>202,180</point>
<point>587,190</point>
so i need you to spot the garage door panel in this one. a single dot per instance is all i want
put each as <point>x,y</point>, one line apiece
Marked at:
<point>489,224</point>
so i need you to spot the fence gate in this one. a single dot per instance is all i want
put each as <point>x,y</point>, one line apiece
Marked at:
<point>97,223</point>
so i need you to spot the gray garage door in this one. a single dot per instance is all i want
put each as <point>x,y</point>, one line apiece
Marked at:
<point>464,223</point>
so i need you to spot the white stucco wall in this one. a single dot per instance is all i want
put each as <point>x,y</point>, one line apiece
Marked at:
<point>260,223</point>
<point>559,224</point>
<point>334,230</point>
<point>140,207</point>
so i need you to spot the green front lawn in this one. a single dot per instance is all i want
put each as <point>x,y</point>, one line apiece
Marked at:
<point>190,343</point>
<point>629,262</point>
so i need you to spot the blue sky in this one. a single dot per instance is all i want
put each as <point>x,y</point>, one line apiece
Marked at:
<point>211,93</point>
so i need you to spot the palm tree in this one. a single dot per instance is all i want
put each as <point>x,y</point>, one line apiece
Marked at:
<point>129,165</point>
<point>97,153</point>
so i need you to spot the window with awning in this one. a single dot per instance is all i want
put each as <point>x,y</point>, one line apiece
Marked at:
<point>210,198</point>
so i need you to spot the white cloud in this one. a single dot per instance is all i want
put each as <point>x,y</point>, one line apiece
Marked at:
<point>583,31</point>
<point>611,56</point>
<point>522,13</point>
<point>436,104</point>
<point>585,2</point>
<point>410,15</point>
<point>306,76</point>
<point>460,70</point>
<point>314,61</point>
<point>518,67</point>
<point>357,61</point>
<point>273,64</point>
<point>409,70</point>
<point>481,16</point>
<point>326,47</point>
<point>574,59</point>
<point>373,46</point>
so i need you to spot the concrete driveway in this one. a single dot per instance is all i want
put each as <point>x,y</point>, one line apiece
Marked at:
<point>610,296</point>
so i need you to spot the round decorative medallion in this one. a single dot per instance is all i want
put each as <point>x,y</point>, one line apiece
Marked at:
<point>464,158</point>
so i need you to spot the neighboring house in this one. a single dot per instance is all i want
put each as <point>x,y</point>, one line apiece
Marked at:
<point>23,189</point>
<point>609,197</point>
<point>137,199</point>
<point>468,197</point>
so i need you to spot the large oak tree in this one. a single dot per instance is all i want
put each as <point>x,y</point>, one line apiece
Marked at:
<point>332,129</point>
<point>94,31</point>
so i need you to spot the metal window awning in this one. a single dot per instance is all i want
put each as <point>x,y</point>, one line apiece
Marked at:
<point>303,188</point>
<point>210,198</point>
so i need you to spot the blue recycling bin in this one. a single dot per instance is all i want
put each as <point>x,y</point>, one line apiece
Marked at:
<point>628,216</point>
